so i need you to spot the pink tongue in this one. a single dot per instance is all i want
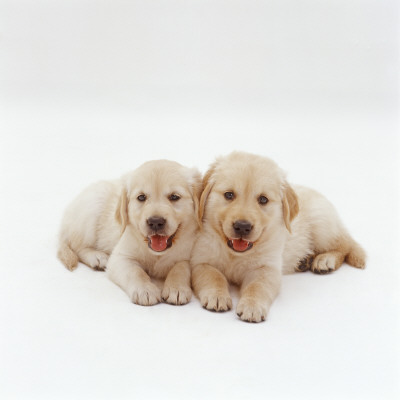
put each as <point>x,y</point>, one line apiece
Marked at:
<point>158,243</point>
<point>240,244</point>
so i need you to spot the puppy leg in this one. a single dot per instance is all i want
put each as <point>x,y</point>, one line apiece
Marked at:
<point>258,291</point>
<point>95,259</point>
<point>211,287</point>
<point>305,263</point>
<point>131,278</point>
<point>177,285</point>
<point>327,262</point>
<point>331,242</point>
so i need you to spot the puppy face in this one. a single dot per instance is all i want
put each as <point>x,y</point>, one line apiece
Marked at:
<point>245,198</point>
<point>160,201</point>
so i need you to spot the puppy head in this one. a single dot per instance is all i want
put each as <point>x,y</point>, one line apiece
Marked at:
<point>160,201</point>
<point>245,198</point>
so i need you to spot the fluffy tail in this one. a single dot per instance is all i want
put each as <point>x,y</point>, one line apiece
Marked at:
<point>67,256</point>
<point>356,257</point>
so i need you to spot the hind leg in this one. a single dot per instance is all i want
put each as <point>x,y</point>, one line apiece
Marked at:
<point>327,262</point>
<point>305,263</point>
<point>95,259</point>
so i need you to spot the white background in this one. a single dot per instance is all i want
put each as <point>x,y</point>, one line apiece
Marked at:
<point>91,89</point>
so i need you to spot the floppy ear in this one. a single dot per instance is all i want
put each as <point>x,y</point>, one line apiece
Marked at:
<point>208,183</point>
<point>196,187</point>
<point>121,212</point>
<point>290,205</point>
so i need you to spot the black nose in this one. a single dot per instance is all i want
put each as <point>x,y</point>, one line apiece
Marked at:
<point>156,223</point>
<point>242,227</point>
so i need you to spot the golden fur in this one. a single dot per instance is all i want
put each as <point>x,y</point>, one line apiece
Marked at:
<point>294,225</point>
<point>107,227</point>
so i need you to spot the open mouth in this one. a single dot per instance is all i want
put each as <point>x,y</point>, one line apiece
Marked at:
<point>160,242</point>
<point>239,245</point>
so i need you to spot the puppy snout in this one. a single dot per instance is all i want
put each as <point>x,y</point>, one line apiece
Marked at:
<point>156,223</point>
<point>242,227</point>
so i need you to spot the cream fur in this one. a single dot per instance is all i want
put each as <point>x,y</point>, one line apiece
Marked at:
<point>106,227</point>
<point>297,223</point>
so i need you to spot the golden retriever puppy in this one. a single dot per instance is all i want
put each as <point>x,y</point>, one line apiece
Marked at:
<point>256,226</point>
<point>140,226</point>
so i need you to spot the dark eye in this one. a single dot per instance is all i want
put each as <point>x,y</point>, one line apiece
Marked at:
<point>174,197</point>
<point>262,200</point>
<point>229,195</point>
<point>142,197</point>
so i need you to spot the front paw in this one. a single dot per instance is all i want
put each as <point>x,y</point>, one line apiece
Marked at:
<point>215,301</point>
<point>251,310</point>
<point>176,295</point>
<point>147,294</point>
